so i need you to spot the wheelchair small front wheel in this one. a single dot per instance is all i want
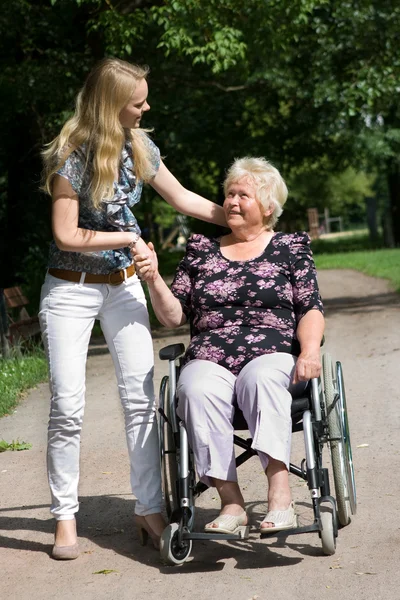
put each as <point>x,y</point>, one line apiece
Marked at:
<point>171,552</point>
<point>328,538</point>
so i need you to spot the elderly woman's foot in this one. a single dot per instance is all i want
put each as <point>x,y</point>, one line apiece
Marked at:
<point>232,515</point>
<point>231,518</point>
<point>279,519</point>
<point>281,513</point>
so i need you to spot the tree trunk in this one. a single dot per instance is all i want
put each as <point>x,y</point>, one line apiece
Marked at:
<point>371,209</point>
<point>394,194</point>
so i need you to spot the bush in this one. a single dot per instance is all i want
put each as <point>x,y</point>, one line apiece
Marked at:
<point>18,374</point>
<point>347,243</point>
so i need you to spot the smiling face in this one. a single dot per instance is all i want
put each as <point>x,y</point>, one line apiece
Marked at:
<point>131,114</point>
<point>242,208</point>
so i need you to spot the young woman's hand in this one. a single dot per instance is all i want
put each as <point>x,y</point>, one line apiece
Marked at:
<point>146,263</point>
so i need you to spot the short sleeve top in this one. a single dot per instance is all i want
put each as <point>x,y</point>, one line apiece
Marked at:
<point>112,215</point>
<point>242,309</point>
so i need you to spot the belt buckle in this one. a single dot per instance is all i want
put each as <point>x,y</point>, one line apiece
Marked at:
<point>120,275</point>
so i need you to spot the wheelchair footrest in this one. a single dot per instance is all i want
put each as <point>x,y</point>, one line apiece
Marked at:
<point>294,531</point>
<point>241,535</point>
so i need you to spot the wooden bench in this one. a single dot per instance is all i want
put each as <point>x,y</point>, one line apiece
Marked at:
<point>21,325</point>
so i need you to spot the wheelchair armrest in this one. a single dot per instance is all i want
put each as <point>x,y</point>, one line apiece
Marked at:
<point>299,405</point>
<point>171,352</point>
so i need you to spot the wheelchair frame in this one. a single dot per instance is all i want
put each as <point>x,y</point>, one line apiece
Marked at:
<point>320,413</point>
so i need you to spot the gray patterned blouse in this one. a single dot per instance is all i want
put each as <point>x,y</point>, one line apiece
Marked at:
<point>113,215</point>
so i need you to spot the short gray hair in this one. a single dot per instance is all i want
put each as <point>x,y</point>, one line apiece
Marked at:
<point>271,189</point>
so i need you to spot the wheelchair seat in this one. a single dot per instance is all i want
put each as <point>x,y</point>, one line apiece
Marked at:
<point>299,405</point>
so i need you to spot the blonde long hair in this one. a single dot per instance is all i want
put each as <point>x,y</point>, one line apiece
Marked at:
<point>108,88</point>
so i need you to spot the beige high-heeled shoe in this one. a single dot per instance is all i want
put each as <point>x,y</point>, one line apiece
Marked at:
<point>70,552</point>
<point>65,552</point>
<point>145,531</point>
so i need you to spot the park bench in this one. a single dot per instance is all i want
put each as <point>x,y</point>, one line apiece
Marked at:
<point>21,325</point>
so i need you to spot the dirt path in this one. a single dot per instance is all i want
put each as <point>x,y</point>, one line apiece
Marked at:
<point>363,331</point>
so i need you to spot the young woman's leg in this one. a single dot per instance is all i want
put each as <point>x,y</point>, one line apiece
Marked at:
<point>125,323</point>
<point>67,314</point>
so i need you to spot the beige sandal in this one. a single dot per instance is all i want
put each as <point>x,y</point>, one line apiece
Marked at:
<point>282,519</point>
<point>227,524</point>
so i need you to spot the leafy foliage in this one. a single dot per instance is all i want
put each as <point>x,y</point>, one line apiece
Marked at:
<point>310,84</point>
<point>15,445</point>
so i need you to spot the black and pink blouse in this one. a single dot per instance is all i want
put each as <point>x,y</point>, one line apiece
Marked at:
<point>242,309</point>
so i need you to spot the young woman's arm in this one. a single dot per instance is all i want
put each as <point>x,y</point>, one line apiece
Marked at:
<point>183,200</point>
<point>168,309</point>
<point>69,237</point>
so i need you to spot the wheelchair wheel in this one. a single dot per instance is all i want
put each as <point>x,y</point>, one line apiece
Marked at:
<point>342,464</point>
<point>328,538</point>
<point>169,466</point>
<point>171,552</point>
<point>346,435</point>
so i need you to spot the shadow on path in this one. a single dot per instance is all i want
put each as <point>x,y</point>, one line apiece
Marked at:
<point>107,522</point>
<point>364,304</point>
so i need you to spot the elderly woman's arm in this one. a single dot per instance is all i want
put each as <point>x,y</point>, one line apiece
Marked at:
<point>168,309</point>
<point>309,333</point>
<point>308,308</point>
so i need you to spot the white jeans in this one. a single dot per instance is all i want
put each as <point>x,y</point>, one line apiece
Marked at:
<point>67,314</point>
<point>207,394</point>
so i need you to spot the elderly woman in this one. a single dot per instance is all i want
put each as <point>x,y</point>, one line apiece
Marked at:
<point>257,322</point>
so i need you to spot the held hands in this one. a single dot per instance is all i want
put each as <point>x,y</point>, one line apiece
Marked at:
<point>308,366</point>
<point>146,263</point>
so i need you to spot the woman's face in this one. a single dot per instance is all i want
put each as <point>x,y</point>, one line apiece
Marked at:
<point>242,209</point>
<point>131,114</point>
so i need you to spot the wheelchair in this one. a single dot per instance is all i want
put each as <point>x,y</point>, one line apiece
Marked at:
<point>322,416</point>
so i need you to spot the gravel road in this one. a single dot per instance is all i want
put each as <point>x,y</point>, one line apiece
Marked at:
<point>363,332</point>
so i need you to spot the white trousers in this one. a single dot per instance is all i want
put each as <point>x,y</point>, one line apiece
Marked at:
<point>207,393</point>
<point>67,314</point>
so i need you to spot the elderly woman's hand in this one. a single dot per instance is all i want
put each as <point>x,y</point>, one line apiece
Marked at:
<point>146,263</point>
<point>308,366</point>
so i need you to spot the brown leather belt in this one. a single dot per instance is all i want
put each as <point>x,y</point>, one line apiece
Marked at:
<point>115,278</point>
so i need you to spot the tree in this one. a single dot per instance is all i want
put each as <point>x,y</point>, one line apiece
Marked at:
<point>321,78</point>
<point>306,83</point>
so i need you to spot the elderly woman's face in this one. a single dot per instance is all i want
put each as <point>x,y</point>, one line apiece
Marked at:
<point>241,205</point>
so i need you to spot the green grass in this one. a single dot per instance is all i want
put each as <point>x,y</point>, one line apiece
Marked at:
<point>355,242</point>
<point>383,263</point>
<point>15,445</point>
<point>19,374</point>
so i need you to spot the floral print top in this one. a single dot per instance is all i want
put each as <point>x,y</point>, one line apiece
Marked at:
<point>112,215</point>
<point>242,309</point>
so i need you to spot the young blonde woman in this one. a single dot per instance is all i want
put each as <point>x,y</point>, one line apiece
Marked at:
<point>94,171</point>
